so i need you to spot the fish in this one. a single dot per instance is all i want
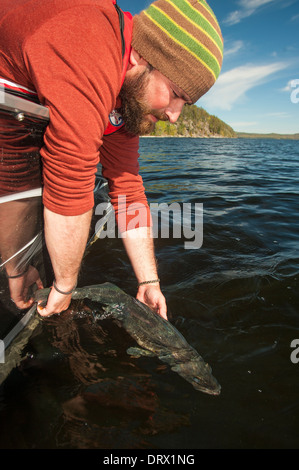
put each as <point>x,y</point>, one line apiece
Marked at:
<point>154,335</point>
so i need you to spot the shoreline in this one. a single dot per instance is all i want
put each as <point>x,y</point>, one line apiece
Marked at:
<point>239,136</point>
<point>185,137</point>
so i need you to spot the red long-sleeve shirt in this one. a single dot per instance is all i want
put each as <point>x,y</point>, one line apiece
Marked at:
<point>69,51</point>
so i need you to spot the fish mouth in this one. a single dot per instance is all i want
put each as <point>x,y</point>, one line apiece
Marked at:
<point>210,389</point>
<point>199,375</point>
<point>214,392</point>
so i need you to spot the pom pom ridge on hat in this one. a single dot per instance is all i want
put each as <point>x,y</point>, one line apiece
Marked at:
<point>182,40</point>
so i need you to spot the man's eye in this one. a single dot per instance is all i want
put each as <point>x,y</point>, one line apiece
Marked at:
<point>175,94</point>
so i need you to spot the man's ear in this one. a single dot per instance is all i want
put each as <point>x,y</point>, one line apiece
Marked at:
<point>136,59</point>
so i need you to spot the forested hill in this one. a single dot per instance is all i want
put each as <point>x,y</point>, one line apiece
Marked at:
<point>194,122</point>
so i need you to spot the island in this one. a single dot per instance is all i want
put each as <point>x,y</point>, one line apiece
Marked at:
<point>197,122</point>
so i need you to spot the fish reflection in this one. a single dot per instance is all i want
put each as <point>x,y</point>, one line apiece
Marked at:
<point>113,399</point>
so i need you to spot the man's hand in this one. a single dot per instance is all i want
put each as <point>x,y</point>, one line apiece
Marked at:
<point>66,238</point>
<point>56,303</point>
<point>152,296</point>
<point>140,249</point>
<point>19,288</point>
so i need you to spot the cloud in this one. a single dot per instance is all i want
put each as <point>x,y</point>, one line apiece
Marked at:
<point>233,85</point>
<point>235,47</point>
<point>280,114</point>
<point>247,8</point>
<point>288,87</point>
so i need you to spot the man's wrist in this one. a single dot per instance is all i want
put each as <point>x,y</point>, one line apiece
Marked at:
<point>155,281</point>
<point>15,276</point>
<point>60,291</point>
<point>65,284</point>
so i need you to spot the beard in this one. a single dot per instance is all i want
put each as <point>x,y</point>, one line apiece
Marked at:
<point>134,109</point>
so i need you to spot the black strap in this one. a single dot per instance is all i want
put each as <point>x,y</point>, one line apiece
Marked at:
<point>122,27</point>
<point>20,94</point>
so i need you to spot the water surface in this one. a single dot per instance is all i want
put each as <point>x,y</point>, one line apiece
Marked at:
<point>235,300</point>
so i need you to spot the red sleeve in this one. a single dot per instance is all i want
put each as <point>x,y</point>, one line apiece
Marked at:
<point>74,60</point>
<point>119,159</point>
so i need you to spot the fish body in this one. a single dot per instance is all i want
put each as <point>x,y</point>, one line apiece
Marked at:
<point>154,335</point>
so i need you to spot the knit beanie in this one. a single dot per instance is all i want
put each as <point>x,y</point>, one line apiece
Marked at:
<point>182,40</point>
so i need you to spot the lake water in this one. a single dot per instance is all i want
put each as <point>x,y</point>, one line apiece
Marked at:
<point>235,299</point>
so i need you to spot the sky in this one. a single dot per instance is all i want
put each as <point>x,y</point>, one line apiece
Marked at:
<point>258,88</point>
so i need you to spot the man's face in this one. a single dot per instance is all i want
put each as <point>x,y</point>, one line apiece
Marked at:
<point>147,96</point>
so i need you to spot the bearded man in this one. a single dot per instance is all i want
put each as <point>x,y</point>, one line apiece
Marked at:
<point>106,78</point>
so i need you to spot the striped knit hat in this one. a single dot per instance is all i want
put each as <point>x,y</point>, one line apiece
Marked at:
<point>182,40</point>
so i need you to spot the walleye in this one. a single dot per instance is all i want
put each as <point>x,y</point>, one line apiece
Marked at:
<point>154,335</point>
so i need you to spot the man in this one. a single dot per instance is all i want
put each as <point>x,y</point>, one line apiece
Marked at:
<point>70,53</point>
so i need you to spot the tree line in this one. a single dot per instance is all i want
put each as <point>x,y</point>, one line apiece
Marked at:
<point>194,122</point>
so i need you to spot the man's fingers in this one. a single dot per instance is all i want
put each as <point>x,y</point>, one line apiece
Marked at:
<point>163,313</point>
<point>154,299</point>
<point>46,311</point>
<point>162,309</point>
<point>23,305</point>
<point>57,303</point>
<point>42,310</point>
<point>39,284</point>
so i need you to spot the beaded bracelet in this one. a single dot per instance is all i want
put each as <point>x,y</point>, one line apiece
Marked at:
<point>148,282</point>
<point>61,292</point>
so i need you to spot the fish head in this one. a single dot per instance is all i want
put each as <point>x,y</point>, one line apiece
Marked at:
<point>41,296</point>
<point>199,374</point>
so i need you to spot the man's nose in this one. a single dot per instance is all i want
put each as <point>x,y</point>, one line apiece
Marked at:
<point>174,110</point>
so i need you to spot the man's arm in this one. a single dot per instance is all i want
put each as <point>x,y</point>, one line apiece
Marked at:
<point>79,100</point>
<point>15,214</point>
<point>140,249</point>
<point>66,238</point>
<point>119,158</point>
